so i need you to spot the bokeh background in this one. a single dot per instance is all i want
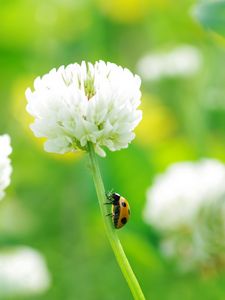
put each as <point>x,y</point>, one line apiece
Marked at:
<point>51,204</point>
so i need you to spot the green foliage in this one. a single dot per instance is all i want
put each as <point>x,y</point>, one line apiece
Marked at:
<point>211,14</point>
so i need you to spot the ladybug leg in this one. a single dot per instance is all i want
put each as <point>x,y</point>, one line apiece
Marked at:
<point>109,195</point>
<point>109,215</point>
<point>108,198</point>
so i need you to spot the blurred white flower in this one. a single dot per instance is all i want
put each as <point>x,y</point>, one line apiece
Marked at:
<point>177,195</point>
<point>22,271</point>
<point>5,163</point>
<point>182,61</point>
<point>85,103</point>
<point>186,205</point>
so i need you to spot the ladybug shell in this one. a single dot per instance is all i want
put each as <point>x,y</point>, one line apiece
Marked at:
<point>120,212</point>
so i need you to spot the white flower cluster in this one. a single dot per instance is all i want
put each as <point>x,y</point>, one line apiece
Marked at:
<point>183,61</point>
<point>5,163</point>
<point>22,271</point>
<point>85,103</point>
<point>186,205</point>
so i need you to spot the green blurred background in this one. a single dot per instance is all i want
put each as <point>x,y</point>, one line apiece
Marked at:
<point>51,204</point>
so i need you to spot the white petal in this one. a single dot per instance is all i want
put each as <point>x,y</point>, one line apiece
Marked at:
<point>59,145</point>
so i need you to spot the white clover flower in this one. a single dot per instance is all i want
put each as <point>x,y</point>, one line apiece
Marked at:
<point>5,163</point>
<point>186,205</point>
<point>22,271</point>
<point>183,61</point>
<point>85,103</point>
<point>177,195</point>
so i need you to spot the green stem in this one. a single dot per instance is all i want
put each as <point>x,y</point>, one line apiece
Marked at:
<point>110,231</point>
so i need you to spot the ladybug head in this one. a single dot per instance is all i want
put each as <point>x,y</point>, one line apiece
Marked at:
<point>116,198</point>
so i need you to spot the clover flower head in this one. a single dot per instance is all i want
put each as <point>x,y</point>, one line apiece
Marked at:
<point>77,104</point>
<point>186,205</point>
<point>23,272</point>
<point>182,61</point>
<point>5,163</point>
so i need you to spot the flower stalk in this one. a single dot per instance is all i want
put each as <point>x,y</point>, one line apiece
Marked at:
<point>110,231</point>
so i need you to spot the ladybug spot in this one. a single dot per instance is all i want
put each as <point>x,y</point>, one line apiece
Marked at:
<point>124,204</point>
<point>124,220</point>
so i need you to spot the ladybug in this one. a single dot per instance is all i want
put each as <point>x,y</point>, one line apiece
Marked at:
<point>120,209</point>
